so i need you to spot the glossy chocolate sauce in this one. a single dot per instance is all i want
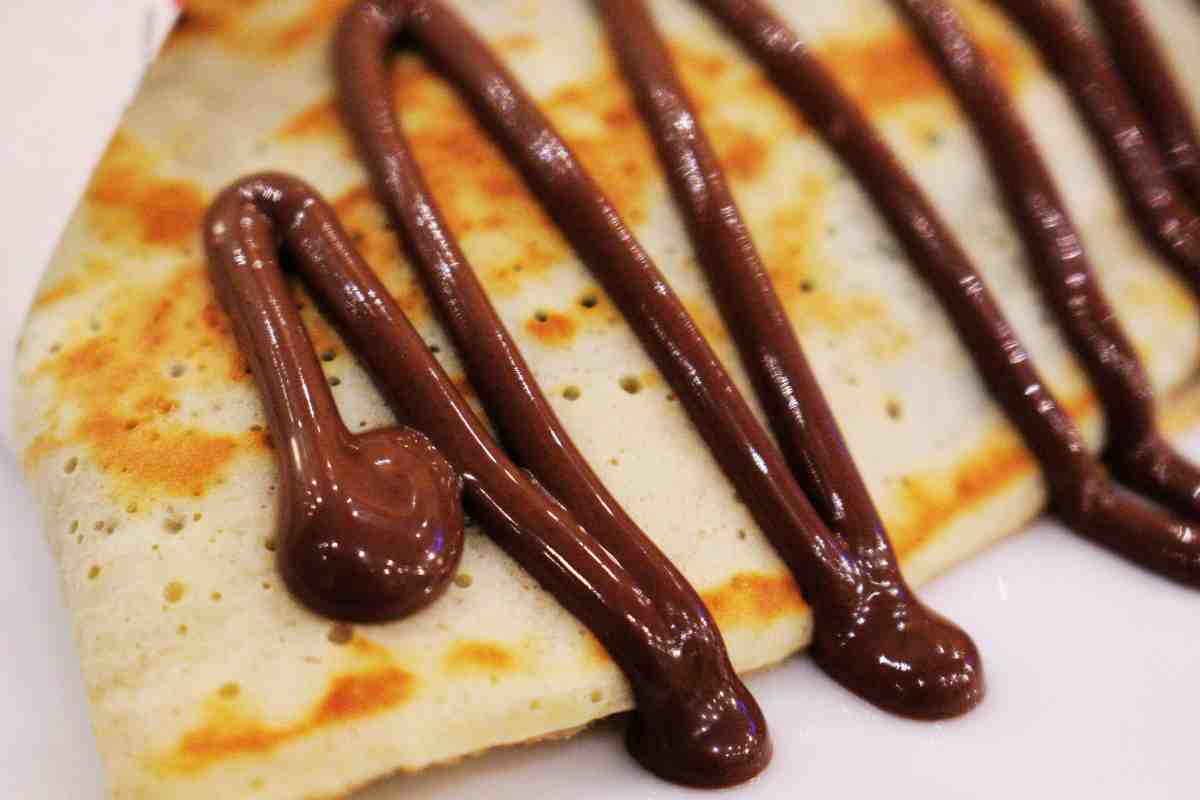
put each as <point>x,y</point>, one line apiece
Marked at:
<point>1144,65</point>
<point>371,524</point>
<point>800,417</point>
<point>872,634</point>
<point>696,723</point>
<point>1138,454</point>
<point>1080,492</point>
<point>1124,134</point>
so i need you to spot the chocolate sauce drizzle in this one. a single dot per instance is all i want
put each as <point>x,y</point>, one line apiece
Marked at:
<point>351,502</point>
<point>1137,452</point>
<point>1144,66</point>
<point>1128,140</point>
<point>372,523</point>
<point>872,634</point>
<point>1080,493</point>
<point>800,416</point>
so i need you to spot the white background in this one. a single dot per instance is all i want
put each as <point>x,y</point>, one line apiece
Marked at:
<point>1093,665</point>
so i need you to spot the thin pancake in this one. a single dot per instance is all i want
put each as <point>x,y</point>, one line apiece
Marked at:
<point>142,433</point>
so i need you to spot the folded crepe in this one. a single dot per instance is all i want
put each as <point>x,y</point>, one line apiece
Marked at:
<point>143,435</point>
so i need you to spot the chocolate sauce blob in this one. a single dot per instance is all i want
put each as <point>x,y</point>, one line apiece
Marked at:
<point>695,723</point>
<point>872,634</point>
<point>1126,137</point>
<point>1080,492</point>
<point>371,524</point>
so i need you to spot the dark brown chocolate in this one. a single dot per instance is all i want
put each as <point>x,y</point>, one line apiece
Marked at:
<point>696,722</point>
<point>1144,65</point>
<point>872,634</point>
<point>1128,140</point>
<point>371,524</point>
<point>1080,492</point>
<point>891,629</point>
<point>1137,452</point>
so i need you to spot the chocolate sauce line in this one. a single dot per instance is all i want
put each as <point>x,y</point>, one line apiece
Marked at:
<point>796,407</point>
<point>1080,492</point>
<point>1117,124</point>
<point>1144,66</point>
<point>1139,455</point>
<point>696,722</point>
<point>877,640</point>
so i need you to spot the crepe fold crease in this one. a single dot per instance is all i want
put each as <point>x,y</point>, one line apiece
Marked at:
<point>142,433</point>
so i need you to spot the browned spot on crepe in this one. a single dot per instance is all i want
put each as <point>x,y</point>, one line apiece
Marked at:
<point>317,119</point>
<point>485,657</point>
<point>65,288</point>
<point>43,445</point>
<point>234,24</point>
<point>862,315</point>
<point>117,392</point>
<point>884,71</point>
<point>128,201</point>
<point>94,271</point>
<point>714,81</point>
<point>931,501</point>
<point>596,654</point>
<point>317,21</point>
<point>599,120</point>
<point>744,156</point>
<point>195,22</point>
<point>517,43</point>
<point>807,285</point>
<point>368,648</point>
<point>229,730</point>
<point>935,498</point>
<point>753,599</point>
<point>552,328</point>
<point>789,238</point>
<point>176,459</point>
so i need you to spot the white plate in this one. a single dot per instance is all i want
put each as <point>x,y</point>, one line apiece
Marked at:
<point>1092,664</point>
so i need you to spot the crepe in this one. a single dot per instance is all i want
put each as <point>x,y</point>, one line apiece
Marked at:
<point>143,435</point>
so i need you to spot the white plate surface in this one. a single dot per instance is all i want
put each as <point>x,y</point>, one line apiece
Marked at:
<point>1093,666</point>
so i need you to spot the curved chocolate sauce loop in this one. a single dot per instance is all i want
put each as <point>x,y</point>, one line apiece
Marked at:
<point>1144,66</point>
<point>1139,455</point>
<point>799,414</point>
<point>371,524</point>
<point>1080,493</point>
<point>1087,70</point>
<point>696,722</point>
<point>877,639</point>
